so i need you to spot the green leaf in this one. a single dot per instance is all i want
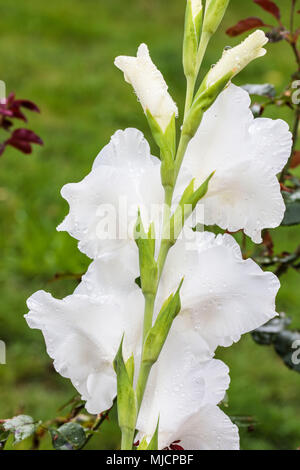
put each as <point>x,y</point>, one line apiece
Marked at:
<point>153,444</point>
<point>70,436</point>
<point>186,206</point>
<point>265,89</point>
<point>4,435</point>
<point>143,444</point>
<point>292,213</point>
<point>21,427</point>
<point>157,335</point>
<point>204,99</point>
<point>126,397</point>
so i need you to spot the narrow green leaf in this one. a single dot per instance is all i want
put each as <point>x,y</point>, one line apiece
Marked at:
<point>126,398</point>
<point>153,444</point>
<point>187,204</point>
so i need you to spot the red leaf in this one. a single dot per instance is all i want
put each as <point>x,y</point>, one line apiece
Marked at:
<point>295,159</point>
<point>245,25</point>
<point>21,145</point>
<point>27,136</point>
<point>27,104</point>
<point>270,7</point>
<point>22,139</point>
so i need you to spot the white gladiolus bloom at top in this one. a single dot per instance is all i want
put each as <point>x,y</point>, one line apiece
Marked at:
<point>104,205</point>
<point>237,58</point>
<point>246,155</point>
<point>149,85</point>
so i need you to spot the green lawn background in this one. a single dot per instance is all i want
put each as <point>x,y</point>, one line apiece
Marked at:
<point>60,54</point>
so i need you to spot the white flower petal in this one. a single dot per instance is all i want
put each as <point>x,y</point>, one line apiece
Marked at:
<point>207,429</point>
<point>176,385</point>
<point>237,58</point>
<point>222,296</point>
<point>244,196</point>
<point>246,154</point>
<point>108,272</point>
<point>83,332</point>
<point>104,205</point>
<point>149,85</point>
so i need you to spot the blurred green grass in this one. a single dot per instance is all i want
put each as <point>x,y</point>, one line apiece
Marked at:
<point>60,54</point>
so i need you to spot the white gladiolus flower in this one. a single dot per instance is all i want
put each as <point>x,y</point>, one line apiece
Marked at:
<point>246,155</point>
<point>222,296</point>
<point>149,85</point>
<point>184,391</point>
<point>104,205</point>
<point>83,331</point>
<point>236,59</point>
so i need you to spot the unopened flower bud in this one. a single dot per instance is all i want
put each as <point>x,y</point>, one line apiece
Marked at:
<point>214,12</point>
<point>236,59</point>
<point>149,85</point>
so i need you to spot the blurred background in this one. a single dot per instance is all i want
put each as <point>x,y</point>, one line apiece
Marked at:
<point>60,55</point>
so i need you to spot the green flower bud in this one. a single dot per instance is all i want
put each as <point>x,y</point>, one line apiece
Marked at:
<point>214,12</point>
<point>148,266</point>
<point>193,20</point>
<point>157,335</point>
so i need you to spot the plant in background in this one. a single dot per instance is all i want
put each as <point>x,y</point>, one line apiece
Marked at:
<point>20,138</point>
<point>195,289</point>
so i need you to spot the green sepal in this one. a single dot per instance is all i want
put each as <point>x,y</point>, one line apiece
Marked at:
<point>166,141</point>
<point>204,99</point>
<point>148,266</point>
<point>153,444</point>
<point>126,397</point>
<point>130,368</point>
<point>215,11</point>
<point>191,40</point>
<point>186,206</point>
<point>143,444</point>
<point>157,335</point>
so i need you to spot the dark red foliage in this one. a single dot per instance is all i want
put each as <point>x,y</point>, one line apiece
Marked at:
<point>270,7</point>
<point>21,139</point>
<point>245,25</point>
<point>10,107</point>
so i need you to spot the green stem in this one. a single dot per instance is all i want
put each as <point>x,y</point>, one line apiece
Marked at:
<point>127,439</point>
<point>142,381</point>
<point>183,143</point>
